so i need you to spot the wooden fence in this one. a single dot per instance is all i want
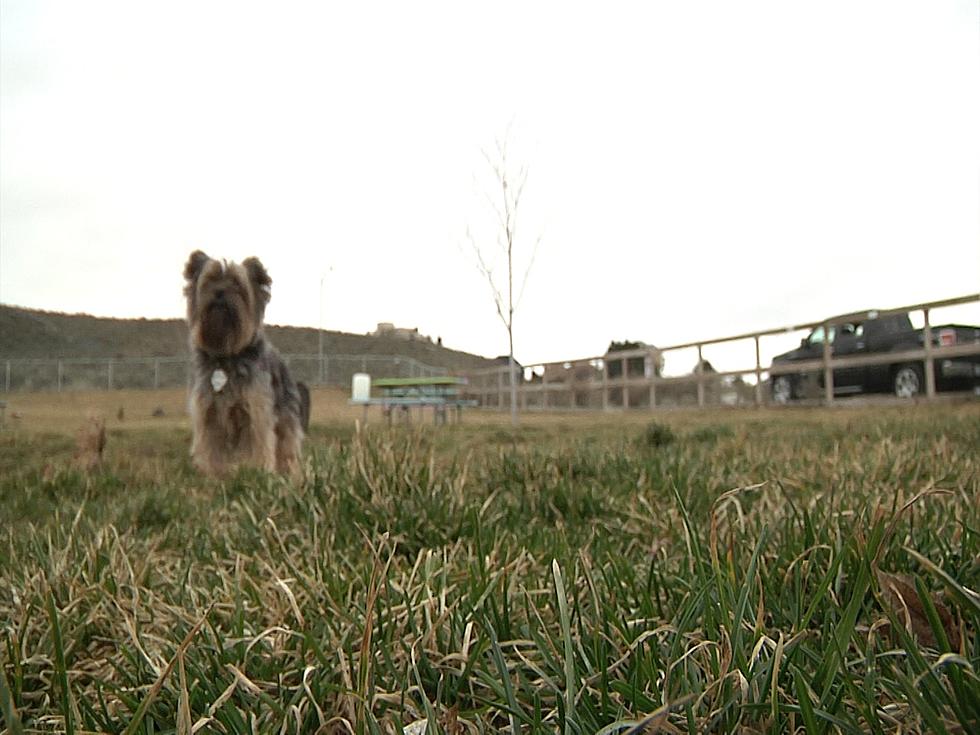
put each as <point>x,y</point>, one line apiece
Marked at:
<point>616,380</point>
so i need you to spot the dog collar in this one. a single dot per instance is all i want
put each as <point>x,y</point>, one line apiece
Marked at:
<point>219,378</point>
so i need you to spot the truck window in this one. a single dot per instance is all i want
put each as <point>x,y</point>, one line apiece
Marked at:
<point>850,330</point>
<point>816,336</point>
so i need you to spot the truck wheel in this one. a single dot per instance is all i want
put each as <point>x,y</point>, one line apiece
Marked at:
<point>782,389</point>
<point>907,381</point>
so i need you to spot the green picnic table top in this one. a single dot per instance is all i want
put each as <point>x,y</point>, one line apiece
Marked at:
<point>416,401</point>
<point>410,382</point>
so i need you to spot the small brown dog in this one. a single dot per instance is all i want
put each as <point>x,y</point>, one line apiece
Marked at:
<point>245,407</point>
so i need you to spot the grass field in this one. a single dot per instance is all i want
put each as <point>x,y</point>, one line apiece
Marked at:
<point>782,571</point>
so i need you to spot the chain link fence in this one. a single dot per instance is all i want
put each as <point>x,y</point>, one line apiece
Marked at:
<point>175,372</point>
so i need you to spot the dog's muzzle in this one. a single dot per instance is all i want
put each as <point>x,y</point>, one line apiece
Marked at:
<point>219,321</point>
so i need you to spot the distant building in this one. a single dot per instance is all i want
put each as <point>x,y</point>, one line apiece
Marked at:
<point>645,365</point>
<point>574,371</point>
<point>387,329</point>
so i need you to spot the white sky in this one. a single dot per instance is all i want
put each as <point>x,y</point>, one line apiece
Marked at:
<point>696,168</point>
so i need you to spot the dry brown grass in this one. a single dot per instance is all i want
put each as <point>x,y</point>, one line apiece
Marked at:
<point>63,413</point>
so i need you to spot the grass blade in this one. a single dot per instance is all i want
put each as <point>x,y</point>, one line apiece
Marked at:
<point>10,716</point>
<point>61,669</point>
<point>566,634</point>
<point>504,674</point>
<point>158,684</point>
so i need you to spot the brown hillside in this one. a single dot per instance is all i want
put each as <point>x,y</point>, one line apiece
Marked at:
<point>28,333</point>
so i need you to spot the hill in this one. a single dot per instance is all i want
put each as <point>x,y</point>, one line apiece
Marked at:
<point>29,333</point>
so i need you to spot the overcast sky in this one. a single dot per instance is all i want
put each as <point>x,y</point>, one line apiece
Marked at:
<point>694,168</point>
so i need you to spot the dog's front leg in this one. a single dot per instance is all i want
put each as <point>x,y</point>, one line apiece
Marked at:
<point>208,446</point>
<point>289,442</point>
<point>261,433</point>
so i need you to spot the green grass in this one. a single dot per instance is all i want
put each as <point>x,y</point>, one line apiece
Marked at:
<point>714,575</point>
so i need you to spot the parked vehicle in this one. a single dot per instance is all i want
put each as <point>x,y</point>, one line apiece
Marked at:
<point>869,334</point>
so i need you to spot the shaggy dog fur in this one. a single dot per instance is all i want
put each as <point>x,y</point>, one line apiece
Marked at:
<point>245,407</point>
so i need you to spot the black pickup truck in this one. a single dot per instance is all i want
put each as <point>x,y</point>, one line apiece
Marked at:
<point>869,334</point>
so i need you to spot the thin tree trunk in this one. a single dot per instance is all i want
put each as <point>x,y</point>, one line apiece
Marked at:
<point>507,218</point>
<point>510,309</point>
<point>513,381</point>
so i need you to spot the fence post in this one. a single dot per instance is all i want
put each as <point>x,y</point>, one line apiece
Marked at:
<point>626,388</point>
<point>61,371</point>
<point>700,372</point>
<point>109,374</point>
<point>544,388</point>
<point>522,391</point>
<point>758,373</point>
<point>605,385</point>
<point>828,372</point>
<point>156,374</point>
<point>930,363</point>
<point>325,367</point>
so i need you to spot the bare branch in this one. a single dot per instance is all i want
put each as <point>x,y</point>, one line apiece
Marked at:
<point>487,273</point>
<point>499,169</point>
<point>527,271</point>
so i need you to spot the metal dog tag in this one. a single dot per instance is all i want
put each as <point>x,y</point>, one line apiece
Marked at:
<point>218,380</point>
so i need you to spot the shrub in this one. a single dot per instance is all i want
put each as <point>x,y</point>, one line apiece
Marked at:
<point>657,435</point>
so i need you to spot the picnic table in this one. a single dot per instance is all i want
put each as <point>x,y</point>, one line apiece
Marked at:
<point>441,393</point>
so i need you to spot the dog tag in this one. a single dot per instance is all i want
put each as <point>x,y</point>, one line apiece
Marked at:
<point>218,380</point>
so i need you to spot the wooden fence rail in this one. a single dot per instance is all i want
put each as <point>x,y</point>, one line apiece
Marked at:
<point>491,385</point>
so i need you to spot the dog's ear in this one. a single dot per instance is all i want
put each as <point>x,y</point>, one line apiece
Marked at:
<point>195,264</point>
<point>259,277</point>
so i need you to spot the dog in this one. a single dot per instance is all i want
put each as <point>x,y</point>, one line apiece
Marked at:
<point>245,407</point>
